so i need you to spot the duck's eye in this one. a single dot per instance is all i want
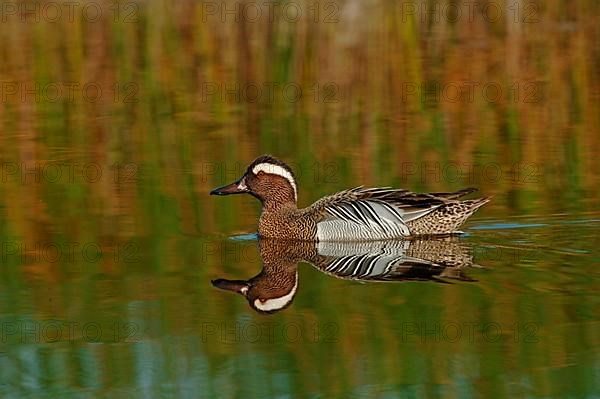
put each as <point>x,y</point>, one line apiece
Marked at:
<point>260,173</point>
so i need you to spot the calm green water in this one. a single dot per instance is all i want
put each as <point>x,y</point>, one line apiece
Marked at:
<point>114,129</point>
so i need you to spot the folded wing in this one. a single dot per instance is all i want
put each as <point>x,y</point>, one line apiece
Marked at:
<point>374,213</point>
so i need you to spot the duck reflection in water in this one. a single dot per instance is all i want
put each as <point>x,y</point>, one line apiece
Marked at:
<point>275,287</point>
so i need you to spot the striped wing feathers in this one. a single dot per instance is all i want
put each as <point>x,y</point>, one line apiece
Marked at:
<point>374,262</point>
<point>394,260</point>
<point>374,213</point>
<point>405,200</point>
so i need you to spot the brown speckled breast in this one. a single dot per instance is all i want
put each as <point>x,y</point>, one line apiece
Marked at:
<point>287,222</point>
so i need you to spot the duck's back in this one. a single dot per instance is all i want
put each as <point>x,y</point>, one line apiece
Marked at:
<point>363,214</point>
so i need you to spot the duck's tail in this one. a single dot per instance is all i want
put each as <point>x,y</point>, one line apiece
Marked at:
<point>455,194</point>
<point>447,218</point>
<point>465,209</point>
<point>477,203</point>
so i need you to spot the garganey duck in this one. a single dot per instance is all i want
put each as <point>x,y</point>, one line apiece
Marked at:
<point>275,287</point>
<point>357,214</point>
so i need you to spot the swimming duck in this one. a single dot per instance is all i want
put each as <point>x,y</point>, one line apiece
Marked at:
<point>357,214</point>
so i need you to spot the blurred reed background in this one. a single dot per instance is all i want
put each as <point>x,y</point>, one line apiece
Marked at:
<point>118,118</point>
<point>186,94</point>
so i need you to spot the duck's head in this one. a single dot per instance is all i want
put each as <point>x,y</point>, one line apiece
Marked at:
<point>268,179</point>
<point>264,293</point>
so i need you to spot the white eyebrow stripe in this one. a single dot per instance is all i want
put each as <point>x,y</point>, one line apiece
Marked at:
<point>279,171</point>
<point>277,303</point>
